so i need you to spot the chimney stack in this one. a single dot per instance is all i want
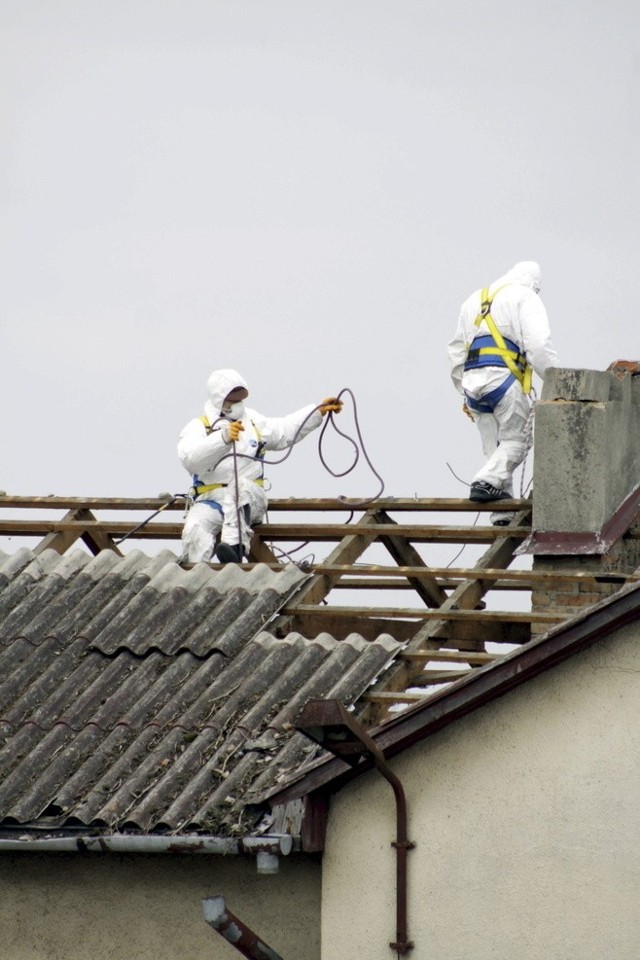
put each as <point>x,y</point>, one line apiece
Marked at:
<point>586,484</point>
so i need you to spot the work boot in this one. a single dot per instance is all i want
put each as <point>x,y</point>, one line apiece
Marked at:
<point>226,553</point>
<point>503,520</point>
<point>483,492</point>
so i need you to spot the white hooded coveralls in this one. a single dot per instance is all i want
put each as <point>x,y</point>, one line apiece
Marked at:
<point>520,316</point>
<point>207,456</point>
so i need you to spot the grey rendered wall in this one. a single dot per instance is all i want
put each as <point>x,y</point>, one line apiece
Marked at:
<point>109,907</point>
<point>527,819</point>
<point>587,449</point>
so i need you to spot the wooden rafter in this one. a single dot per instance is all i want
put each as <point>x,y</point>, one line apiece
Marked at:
<point>439,615</point>
<point>445,633</point>
<point>437,589</point>
<point>423,533</point>
<point>352,545</point>
<point>425,585</point>
<point>436,632</point>
<point>79,524</point>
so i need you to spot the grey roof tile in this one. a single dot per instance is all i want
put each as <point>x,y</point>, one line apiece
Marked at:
<point>138,695</point>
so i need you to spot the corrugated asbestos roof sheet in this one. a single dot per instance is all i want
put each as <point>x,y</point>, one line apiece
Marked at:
<point>135,695</point>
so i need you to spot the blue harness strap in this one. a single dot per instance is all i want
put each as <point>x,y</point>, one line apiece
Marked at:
<point>483,353</point>
<point>213,504</point>
<point>490,401</point>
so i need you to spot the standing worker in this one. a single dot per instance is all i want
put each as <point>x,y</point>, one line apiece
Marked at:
<point>223,451</point>
<point>502,337</point>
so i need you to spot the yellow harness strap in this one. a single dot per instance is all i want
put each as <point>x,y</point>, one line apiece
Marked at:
<point>510,357</point>
<point>207,488</point>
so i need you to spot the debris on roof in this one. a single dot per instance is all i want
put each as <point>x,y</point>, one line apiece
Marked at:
<point>136,696</point>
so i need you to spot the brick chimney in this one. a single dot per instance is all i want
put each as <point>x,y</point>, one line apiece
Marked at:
<point>586,484</point>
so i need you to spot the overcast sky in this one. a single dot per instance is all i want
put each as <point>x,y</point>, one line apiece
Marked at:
<point>304,190</point>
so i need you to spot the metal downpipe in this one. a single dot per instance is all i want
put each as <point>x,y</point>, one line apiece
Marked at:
<point>402,844</point>
<point>234,931</point>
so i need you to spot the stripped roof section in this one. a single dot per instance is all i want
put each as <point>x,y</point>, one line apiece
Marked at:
<point>326,772</point>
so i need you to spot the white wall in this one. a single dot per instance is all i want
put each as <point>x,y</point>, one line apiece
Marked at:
<point>109,907</point>
<point>527,819</point>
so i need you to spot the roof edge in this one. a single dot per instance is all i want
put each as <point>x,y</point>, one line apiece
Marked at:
<point>481,686</point>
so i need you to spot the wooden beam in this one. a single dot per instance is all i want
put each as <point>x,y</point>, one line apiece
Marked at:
<point>355,540</point>
<point>312,623</point>
<point>426,533</point>
<point>98,541</point>
<point>419,613</point>
<point>290,504</point>
<point>402,552</point>
<point>435,632</point>
<point>281,532</point>
<point>309,625</point>
<point>373,583</point>
<point>89,503</point>
<point>460,574</point>
<point>396,504</point>
<point>259,552</point>
<point>452,656</point>
<point>431,677</point>
<point>387,698</point>
<point>61,540</point>
<point>78,522</point>
<point>115,528</point>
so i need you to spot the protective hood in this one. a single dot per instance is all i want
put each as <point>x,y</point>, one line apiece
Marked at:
<point>526,272</point>
<point>220,384</point>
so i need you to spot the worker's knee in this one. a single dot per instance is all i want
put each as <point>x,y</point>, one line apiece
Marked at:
<point>202,525</point>
<point>514,452</point>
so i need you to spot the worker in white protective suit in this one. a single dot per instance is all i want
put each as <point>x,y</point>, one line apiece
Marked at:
<point>502,337</point>
<point>229,443</point>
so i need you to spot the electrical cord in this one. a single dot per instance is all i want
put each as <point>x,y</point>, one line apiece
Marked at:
<point>329,421</point>
<point>176,496</point>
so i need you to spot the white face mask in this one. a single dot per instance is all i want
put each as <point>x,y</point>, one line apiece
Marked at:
<point>235,411</point>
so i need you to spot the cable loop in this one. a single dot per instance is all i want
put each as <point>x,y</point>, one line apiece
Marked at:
<point>330,420</point>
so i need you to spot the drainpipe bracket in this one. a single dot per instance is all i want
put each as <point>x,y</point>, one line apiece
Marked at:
<point>402,948</point>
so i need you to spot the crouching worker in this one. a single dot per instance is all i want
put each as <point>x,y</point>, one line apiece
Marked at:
<point>230,442</point>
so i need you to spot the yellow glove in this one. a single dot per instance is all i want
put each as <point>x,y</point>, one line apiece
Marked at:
<point>232,431</point>
<point>330,405</point>
<point>465,409</point>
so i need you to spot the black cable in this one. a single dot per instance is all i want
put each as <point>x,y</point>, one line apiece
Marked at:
<point>464,482</point>
<point>351,502</point>
<point>176,496</point>
<point>329,420</point>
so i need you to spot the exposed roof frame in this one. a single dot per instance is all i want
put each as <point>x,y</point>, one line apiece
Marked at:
<point>479,687</point>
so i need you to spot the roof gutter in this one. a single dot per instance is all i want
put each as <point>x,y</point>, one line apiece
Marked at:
<point>266,849</point>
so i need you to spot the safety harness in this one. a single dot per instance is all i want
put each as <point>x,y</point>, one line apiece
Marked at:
<point>494,350</point>
<point>199,488</point>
